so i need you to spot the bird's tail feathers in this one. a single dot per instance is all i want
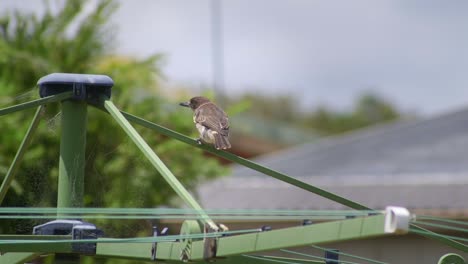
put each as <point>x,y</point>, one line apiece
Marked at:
<point>221,142</point>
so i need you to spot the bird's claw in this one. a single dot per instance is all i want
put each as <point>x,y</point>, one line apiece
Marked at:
<point>198,141</point>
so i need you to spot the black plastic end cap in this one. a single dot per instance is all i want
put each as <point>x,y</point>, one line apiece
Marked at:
<point>76,229</point>
<point>85,87</point>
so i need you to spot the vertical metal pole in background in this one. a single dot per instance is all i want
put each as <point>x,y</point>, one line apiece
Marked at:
<point>217,49</point>
<point>72,154</point>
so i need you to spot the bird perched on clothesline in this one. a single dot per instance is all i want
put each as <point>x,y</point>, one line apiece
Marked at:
<point>211,121</point>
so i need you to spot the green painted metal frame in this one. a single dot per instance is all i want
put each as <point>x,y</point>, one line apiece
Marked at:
<point>269,259</point>
<point>157,162</point>
<point>234,158</point>
<point>357,228</point>
<point>72,154</point>
<point>18,257</point>
<point>71,165</point>
<point>35,103</point>
<point>19,154</point>
<point>245,162</point>
<point>429,234</point>
<point>227,246</point>
<point>35,247</point>
<point>275,174</point>
<point>39,103</point>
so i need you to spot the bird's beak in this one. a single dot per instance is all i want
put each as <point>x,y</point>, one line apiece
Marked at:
<point>186,104</point>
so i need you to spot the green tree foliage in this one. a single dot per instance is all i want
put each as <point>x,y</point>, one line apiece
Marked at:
<point>117,174</point>
<point>369,109</point>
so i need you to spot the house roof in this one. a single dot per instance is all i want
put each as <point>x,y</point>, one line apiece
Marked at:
<point>252,135</point>
<point>417,164</point>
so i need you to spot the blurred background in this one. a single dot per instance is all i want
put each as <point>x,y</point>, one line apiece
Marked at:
<point>291,74</point>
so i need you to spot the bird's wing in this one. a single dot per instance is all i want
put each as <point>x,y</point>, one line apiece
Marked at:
<point>213,118</point>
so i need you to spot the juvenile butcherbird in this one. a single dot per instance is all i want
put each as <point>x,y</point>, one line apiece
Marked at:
<point>211,121</point>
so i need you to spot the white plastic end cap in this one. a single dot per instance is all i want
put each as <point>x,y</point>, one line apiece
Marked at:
<point>397,220</point>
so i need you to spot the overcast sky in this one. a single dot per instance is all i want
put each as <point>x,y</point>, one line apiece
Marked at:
<point>413,52</point>
<point>322,51</point>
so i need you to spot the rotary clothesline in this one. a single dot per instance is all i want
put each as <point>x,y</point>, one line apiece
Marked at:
<point>122,117</point>
<point>235,214</point>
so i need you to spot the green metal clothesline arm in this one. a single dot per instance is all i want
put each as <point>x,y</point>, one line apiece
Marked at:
<point>442,239</point>
<point>18,257</point>
<point>19,154</point>
<point>31,246</point>
<point>122,117</point>
<point>358,228</point>
<point>35,103</point>
<point>280,176</point>
<point>248,259</point>
<point>157,163</point>
<point>245,162</point>
<point>231,247</point>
